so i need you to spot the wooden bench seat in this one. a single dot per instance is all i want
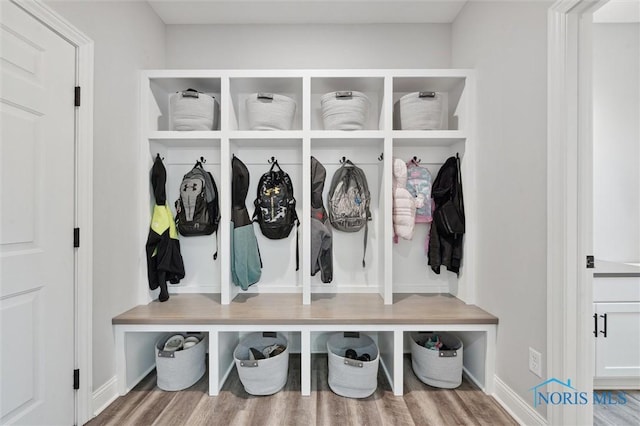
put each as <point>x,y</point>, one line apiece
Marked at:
<point>327,313</point>
<point>324,309</point>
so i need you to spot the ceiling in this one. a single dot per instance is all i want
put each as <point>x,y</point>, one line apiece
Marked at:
<point>306,11</point>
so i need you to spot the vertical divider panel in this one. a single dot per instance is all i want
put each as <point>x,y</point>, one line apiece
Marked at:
<point>306,221</point>
<point>306,192</point>
<point>226,288</point>
<point>145,162</point>
<point>387,196</point>
<point>466,281</point>
<point>398,365</point>
<point>305,361</point>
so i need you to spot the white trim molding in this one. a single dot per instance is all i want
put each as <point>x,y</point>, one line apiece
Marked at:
<point>105,395</point>
<point>83,195</point>
<point>518,408</point>
<point>569,229</point>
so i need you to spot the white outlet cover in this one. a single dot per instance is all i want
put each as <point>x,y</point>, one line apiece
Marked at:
<point>535,362</point>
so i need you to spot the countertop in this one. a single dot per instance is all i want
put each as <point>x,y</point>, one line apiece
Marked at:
<point>615,269</point>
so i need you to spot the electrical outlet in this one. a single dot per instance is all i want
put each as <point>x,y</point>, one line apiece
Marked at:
<point>535,362</point>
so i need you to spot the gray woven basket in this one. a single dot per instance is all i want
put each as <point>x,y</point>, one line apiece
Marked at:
<point>348,377</point>
<point>347,110</point>
<point>419,111</point>
<point>190,110</point>
<point>270,111</point>
<point>265,376</point>
<point>180,369</point>
<point>441,369</point>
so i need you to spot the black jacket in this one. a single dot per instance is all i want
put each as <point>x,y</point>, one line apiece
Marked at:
<point>445,248</point>
<point>164,261</point>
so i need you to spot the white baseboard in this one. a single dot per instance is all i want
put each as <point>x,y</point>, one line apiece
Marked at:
<point>622,383</point>
<point>105,395</point>
<point>517,407</point>
<point>108,392</point>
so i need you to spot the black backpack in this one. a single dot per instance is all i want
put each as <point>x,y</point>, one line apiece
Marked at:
<point>198,208</point>
<point>275,206</point>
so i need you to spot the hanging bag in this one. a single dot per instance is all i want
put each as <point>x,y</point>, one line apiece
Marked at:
<point>275,206</point>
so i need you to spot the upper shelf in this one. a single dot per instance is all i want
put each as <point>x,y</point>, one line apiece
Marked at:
<point>233,88</point>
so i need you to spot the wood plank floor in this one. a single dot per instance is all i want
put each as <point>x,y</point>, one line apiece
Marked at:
<point>420,405</point>
<point>616,415</point>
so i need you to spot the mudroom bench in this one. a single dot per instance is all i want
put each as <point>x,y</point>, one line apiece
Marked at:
<point>309,325</point>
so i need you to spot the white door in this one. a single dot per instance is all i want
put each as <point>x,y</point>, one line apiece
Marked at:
<point>36,222</point>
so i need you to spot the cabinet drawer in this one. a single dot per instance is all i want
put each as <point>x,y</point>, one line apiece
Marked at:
<point>616,289</point>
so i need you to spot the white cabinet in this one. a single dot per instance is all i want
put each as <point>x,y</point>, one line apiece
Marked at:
<point>616,325</point>
<point>618,341</point>
<point>390,268</point>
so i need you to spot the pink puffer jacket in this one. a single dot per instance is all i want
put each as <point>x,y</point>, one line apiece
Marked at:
<point>404,208</point>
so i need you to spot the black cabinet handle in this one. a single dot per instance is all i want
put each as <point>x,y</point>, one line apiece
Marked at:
<point>604,332</point>
<point>595,325</point>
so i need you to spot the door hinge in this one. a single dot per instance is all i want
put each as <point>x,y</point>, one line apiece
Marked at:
<point>76,101</point>
<point>76,379</point>
<point>76,237</point>
<point>591,263</point>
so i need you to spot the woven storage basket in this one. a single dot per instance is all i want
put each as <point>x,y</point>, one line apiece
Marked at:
<point>267,111</point>
<point>192,110</point>
<point>441,369</point>
<point>180,369</point>
<point>419,111</point>
<point>349,377</point>
<point>344,110</point>
<point>265,376</point>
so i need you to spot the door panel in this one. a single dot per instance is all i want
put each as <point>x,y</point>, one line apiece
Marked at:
<point>37,115</point>
<point>618,354</point>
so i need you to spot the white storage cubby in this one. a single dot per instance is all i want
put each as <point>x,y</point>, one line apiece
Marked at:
<point>451,88</point>
<point>349,276</point>
<point>162,88</point>
<point>278,256</point>
<point>372,87</point>
<point>390,268</point>
<point>242,87</point>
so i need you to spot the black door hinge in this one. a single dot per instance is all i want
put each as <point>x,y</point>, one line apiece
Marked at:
<point>76,237</point>
<point>76,379</point>
<point>76,101</point>
<point>591,263</point>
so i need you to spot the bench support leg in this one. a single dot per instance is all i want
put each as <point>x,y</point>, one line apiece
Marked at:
<point>305,362</point>
<point>121,360</point>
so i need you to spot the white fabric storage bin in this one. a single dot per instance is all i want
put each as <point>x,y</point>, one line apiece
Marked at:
<point>419,111</point>
<point>270,111</point>
<point>177,370</point>
<point>350,377</point>
<point>438,368</point>
<point>264,376</point>
<point>344,110</point>
<point>192,110</point>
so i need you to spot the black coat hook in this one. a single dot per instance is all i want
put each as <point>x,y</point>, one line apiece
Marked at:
<point>343,160</point>
<point>203,160</point>
<point>416,160</point>
<point>272,160</point>
<point>158,156</point>
<point>381,156</point>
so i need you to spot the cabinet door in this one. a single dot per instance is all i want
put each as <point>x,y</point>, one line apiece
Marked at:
<point>618,354</point>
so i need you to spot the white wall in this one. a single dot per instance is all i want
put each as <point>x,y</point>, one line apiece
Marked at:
<point>128,37</point>
<point>308,46</point>
<point>506,43</point>
<point>616,142</point>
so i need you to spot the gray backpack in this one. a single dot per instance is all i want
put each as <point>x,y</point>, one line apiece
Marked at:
<point>350,200</point>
